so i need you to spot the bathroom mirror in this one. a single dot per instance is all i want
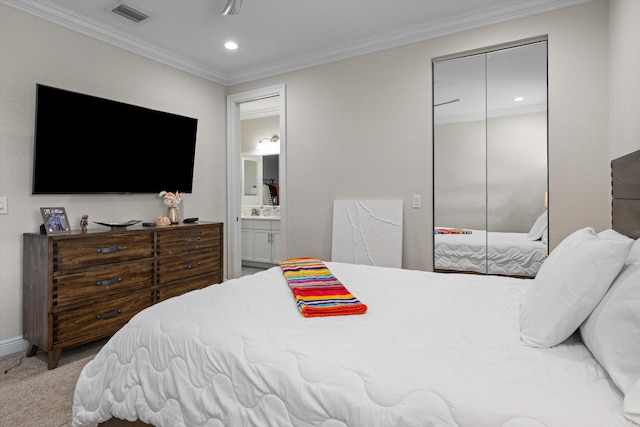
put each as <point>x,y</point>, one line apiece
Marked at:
<point>260,180</point>
<point>490,161</point>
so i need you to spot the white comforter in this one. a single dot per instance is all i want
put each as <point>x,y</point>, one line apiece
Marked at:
<point>432,350</point>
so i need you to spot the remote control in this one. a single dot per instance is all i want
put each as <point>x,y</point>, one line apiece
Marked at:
<point>188,220</point>
<point>148,224</point>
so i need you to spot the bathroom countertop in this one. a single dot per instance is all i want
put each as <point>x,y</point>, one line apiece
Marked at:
<point>263,218</point>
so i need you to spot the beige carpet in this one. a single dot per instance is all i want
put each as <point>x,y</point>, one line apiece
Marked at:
<point>33,396</point>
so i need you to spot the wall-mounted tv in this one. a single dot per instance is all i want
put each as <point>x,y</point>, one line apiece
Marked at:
<point>90,145</point>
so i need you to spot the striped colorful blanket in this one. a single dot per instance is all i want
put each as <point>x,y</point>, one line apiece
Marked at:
<point>317,291</point>
<point>443,230</point>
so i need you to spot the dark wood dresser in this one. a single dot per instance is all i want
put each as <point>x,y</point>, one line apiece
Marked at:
<point>82,286</point>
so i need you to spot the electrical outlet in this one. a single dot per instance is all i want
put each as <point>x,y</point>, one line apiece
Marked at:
<point>3,205</point>
<point>416,200</point>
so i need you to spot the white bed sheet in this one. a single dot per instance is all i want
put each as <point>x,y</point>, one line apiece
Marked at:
<point>432,350</point>
<point>503,253</point>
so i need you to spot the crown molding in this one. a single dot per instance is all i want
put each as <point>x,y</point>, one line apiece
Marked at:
<point>50,11</point>
<point>515,9</point>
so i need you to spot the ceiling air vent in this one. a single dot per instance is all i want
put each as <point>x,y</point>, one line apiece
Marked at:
<point>129,13</point>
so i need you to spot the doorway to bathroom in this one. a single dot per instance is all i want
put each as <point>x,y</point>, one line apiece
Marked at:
<point>256,199</point>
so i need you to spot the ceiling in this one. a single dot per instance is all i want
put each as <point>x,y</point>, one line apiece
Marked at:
<point>274,36</point>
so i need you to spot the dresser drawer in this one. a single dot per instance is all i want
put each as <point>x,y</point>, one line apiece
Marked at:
<point>71,254</point>
<point>181,267</point>
<point>98,320</point>
<point>101,283</point>
<point>186,240</point>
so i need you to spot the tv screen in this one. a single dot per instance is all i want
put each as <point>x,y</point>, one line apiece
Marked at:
<point>90,145</point>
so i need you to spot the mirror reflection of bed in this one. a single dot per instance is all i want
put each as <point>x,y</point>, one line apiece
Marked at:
<point>490,161</point>
<point>493,252</point>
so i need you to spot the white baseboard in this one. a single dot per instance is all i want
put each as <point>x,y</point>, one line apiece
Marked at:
<point>13,345</point>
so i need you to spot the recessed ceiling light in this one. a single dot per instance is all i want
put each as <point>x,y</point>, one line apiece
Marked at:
<point>518,98</point>
<point>231,45</point>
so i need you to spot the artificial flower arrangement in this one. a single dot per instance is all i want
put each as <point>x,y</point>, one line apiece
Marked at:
<point>171,199</point>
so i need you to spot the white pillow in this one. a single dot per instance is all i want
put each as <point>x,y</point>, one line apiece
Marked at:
<point>569,285</point>
<point>612,234</point>
<point>538,228</point>
<point>634,253</point>
<point>631,404</point>
<point>612,331</point>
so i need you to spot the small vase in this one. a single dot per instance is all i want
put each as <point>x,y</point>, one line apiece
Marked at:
<point>174,214</point>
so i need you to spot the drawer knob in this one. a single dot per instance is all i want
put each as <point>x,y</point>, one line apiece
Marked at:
<point>191,239</point>
<point>191,265</point>
<point>109,314</point>
<point>109,281</point>
<point>109,250</point>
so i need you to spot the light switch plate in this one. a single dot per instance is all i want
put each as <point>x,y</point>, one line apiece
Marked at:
<point>416,201</point>
<point>3,205</point>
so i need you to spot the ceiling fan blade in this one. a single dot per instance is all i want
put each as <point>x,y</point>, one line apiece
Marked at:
<point>232,7</point>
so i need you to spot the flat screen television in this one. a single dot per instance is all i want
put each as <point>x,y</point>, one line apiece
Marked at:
<point>90,145</point>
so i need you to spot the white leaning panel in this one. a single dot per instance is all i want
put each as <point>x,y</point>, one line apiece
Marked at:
<point>367,232</point>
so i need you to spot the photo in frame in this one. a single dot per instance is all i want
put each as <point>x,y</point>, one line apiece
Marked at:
<point>55,220</point>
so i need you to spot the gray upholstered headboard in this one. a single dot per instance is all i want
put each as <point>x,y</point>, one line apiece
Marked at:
<point>625,183</point>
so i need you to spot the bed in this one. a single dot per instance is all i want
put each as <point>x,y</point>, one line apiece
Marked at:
<point>479,251</point>
<point>430,349</point>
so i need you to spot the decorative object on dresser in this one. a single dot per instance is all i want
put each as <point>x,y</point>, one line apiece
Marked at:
<point>81,286</point>
<point>84,223</point>
<point>173,213</point>
<point>172,200</point>
<point>117,225</point>
<point>55,220</point>
<point>163,220</point>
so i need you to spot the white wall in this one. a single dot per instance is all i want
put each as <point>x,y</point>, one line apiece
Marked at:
<point>253,130</point>
<point>460,169</point>
<point>624,84</point>
<point>35,51</point>
<point>361,128</point>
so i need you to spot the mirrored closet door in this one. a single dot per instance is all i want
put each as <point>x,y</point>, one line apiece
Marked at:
<point>490,161</point>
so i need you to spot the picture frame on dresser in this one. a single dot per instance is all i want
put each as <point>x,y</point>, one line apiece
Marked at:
<point>55,220</point>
